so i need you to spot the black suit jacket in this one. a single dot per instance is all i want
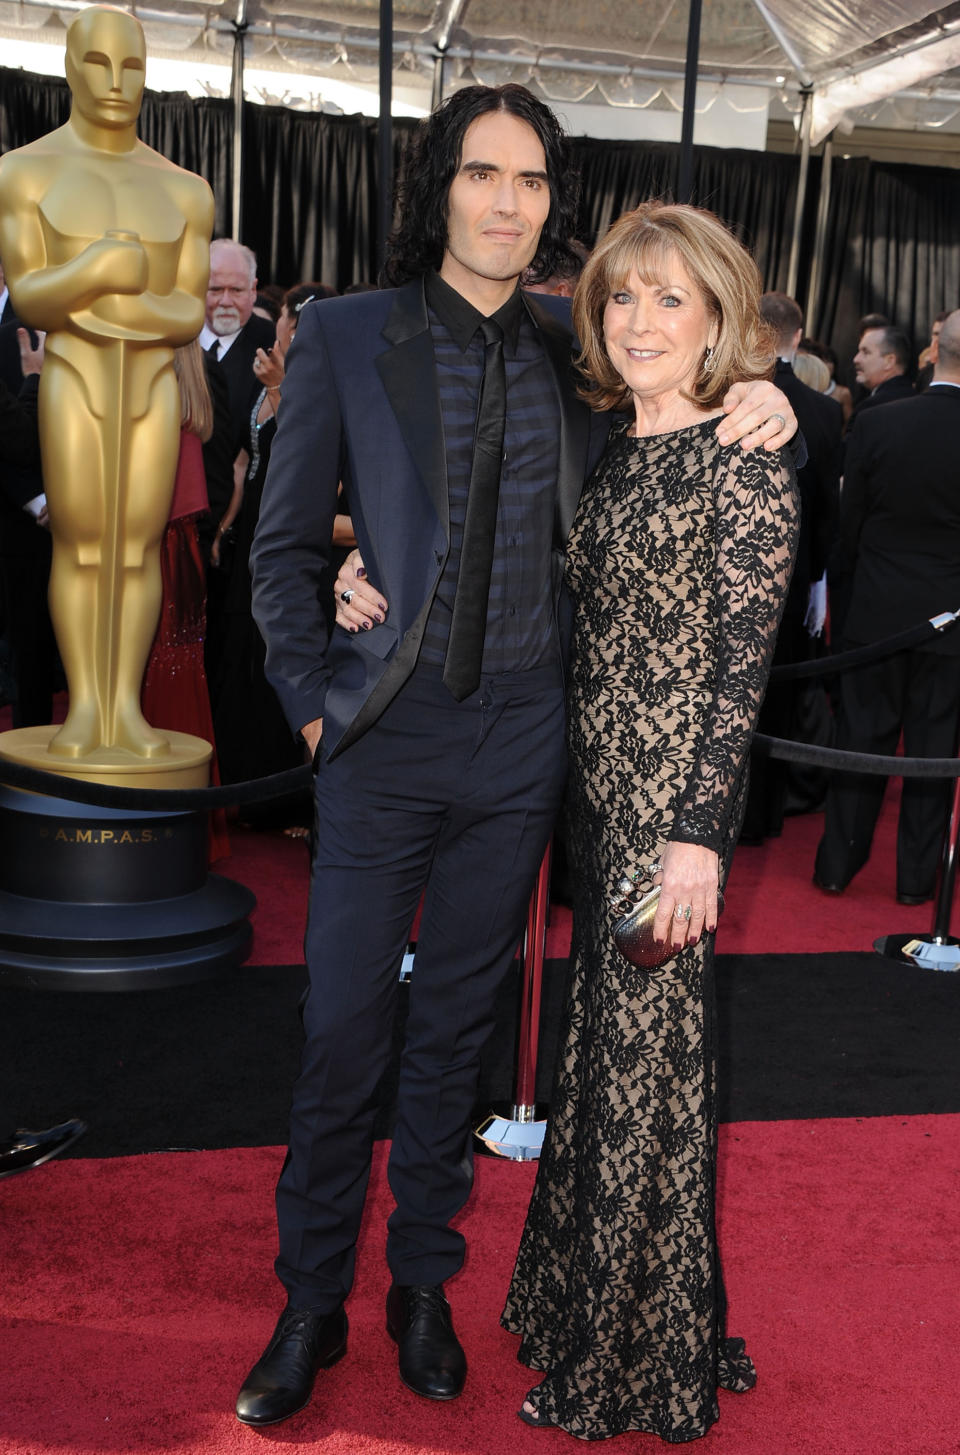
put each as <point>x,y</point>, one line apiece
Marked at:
<point>821,423</point>
<point>237,367</point>
<point>360,404</point>
<point>900,517</point>
<point>899,387</point>
<point>20,476</point>
<point>8,315</point>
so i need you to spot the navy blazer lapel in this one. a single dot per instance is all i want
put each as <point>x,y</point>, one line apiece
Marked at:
<point>574,415</point>
<point>408,371</point>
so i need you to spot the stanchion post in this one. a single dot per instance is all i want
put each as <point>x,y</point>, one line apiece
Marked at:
<point>948,871</point>
<point>534,952</point>
<point>892,946</point>
<point>519,1137</point>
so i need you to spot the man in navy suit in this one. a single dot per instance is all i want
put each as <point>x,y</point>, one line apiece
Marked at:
<point>899,545</point>
<point>439,752</point>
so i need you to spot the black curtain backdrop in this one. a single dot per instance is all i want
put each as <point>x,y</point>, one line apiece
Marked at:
<point>754,192</point>
<point>309,207</point>
<point>310,194</point>
<point>892,246</point>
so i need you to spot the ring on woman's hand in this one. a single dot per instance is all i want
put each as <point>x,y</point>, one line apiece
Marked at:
<point>347,596</point>
<point>783,422</point>
<point>682,911</point>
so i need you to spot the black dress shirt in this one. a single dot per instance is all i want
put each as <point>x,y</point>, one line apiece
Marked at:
<point>520,631</point>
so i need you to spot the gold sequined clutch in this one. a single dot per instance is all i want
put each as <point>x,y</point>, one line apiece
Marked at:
<point>633,931</point>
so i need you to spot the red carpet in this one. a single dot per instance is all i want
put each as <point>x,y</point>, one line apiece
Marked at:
<point>772,906</point>
<point>137,1291</point>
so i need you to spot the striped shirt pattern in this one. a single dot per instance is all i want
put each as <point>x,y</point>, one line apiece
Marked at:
<point>520,631</point>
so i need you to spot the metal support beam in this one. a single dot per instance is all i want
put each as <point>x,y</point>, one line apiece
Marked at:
<point>800,205</point>
<point>810,313</point>
<point>785,44</point>
<point>236,95</point>
<point>436,93</point>
<point>385,133</point>
<point>685,183</point>
<point>450,15</point>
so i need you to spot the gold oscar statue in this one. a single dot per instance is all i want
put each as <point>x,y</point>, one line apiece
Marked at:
<point>105,244</point>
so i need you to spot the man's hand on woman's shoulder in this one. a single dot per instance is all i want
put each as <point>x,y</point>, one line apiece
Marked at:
<point>757,414</point>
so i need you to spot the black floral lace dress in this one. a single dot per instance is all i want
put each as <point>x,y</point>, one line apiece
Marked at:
<point>678,563</point>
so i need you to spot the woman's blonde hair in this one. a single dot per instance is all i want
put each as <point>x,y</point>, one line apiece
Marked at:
<point>196,406</point>
<point>812,371</point>
<point>646,241</point>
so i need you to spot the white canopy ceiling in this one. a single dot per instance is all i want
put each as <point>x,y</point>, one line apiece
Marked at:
<point>848,55</point>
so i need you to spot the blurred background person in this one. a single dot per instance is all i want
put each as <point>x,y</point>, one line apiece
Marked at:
<point>882,367</point>
<point>899,545</point>
<point>253,737</point>
<point>789,710</point>
<point>928,356</point>
<point>25,544</point>
<point>834,390</point>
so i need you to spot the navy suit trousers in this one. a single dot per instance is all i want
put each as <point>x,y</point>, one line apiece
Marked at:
<point>457,799</point>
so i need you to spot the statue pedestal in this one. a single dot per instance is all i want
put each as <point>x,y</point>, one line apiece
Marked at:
<point>112,899</point>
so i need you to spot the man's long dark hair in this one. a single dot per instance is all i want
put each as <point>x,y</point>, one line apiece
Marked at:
<point>418,241</point>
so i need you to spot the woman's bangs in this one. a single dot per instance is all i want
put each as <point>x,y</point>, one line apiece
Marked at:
<point>653,256</point>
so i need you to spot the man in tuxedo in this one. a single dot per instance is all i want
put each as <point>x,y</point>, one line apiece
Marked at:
<point>821,422</point>
<point>882,364</point>
<point>447,406</point>
<point>900,540</point>
<point>232,333</point>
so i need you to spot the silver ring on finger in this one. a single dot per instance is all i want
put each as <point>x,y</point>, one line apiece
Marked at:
<point>347,596</point>
<point>779,417</point>
<point>682,911</point>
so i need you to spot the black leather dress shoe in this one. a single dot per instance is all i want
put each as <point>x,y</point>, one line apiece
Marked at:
<point>432,1362</point>
<point>281,1381</point>
<point>23,1150</point>
<point>914,898</point>
<point>826,886</point>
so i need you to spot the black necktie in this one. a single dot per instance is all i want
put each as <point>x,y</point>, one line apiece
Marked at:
<point>213,352</point>
<point>461,668</point>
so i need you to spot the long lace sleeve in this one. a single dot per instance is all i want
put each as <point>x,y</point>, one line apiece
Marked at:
<point>757,524</point>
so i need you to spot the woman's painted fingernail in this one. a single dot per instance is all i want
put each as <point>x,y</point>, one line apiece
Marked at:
<point>353,628</point>
<point>382,605</point>
<point>377,616</point>
<point>360,573</point>
<point>367,625</point>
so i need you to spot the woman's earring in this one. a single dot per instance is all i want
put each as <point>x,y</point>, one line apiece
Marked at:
<point>709,361</point>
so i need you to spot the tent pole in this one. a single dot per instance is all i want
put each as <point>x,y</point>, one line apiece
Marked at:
<point>823,207</point>
<point>685,184</point>
<point>236,95</point>
<point>805,119</point>
<point>385,133</point>
<point>436,95</point>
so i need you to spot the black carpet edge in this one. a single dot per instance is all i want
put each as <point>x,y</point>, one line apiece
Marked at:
<point>212,1065</point>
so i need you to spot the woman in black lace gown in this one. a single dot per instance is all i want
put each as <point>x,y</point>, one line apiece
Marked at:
<point>678,565</point>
